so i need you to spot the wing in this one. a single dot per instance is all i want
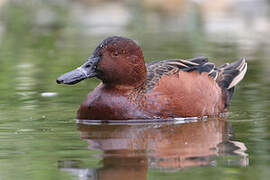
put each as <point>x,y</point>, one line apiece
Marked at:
<point>157,69</point>
<point>226,76</point>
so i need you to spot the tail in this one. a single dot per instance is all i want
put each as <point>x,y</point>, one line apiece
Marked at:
<point>229,75</point>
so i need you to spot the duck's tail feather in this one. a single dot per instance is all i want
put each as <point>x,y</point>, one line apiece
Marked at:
<point>229,75</point>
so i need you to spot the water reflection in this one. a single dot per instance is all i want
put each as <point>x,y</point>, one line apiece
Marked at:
<point>129,151</point>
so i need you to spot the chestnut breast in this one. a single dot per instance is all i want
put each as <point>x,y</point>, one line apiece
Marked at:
<point>106,103</point>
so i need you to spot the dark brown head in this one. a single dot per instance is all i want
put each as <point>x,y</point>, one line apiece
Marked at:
<point>116,61</point>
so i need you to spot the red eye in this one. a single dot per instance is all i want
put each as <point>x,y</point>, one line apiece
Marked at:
<point>115,53</point>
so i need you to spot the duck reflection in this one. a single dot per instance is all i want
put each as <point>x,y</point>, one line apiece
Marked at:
<point>130,150</point>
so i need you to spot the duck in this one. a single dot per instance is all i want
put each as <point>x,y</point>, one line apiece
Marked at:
<point>132,89</point>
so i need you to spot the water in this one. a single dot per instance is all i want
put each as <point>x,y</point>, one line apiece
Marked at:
<point>39,135</point>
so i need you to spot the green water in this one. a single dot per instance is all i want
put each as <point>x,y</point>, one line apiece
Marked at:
<point>39,136</point>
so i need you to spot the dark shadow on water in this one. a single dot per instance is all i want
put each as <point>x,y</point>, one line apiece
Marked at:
<point>129,151</point>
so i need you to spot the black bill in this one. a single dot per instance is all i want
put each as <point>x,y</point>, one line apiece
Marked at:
<point>87,70</point>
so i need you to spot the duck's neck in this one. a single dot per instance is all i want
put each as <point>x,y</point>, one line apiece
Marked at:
<point>126,79</point>
<point>125,87</point>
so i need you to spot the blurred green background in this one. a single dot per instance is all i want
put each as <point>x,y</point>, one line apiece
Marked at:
<point>42,39</point>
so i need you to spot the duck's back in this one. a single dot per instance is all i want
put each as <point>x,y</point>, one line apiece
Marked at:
<point>187,88</point>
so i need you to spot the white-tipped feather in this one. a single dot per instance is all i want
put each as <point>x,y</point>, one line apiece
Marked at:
<point>215,78</point>
<point>211,70</point>
<point>189,62</point>
<point>242,66</point>
<point>179,63</point>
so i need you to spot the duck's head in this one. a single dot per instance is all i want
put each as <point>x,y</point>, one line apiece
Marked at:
<point>116,61</point>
